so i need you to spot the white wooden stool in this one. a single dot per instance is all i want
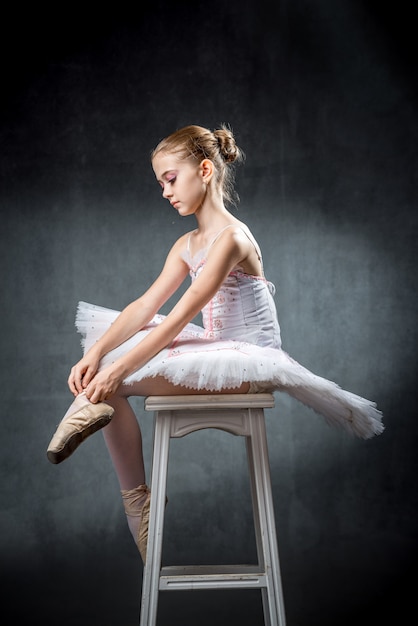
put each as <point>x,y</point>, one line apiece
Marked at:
<point>239,414</point>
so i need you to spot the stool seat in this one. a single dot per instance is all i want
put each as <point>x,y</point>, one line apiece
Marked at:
<point>241,415</point>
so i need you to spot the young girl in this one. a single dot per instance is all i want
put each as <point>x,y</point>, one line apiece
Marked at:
<point>139,352</point>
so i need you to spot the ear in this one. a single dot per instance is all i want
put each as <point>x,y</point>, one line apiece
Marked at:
<point>206,169</point>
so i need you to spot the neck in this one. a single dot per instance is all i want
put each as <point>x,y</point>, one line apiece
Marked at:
<point>212,216</point>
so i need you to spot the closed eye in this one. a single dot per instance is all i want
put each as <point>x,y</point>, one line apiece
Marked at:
<point>169,180</point>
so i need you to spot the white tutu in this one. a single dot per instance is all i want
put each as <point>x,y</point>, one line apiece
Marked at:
<point>200,359</point>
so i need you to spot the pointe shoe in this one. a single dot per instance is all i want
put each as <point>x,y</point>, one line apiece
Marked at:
<point>142,539</point>
<point>74,429</point>
<point>137,504</point>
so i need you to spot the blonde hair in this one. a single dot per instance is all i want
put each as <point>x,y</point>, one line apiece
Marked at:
<point>196,143</point>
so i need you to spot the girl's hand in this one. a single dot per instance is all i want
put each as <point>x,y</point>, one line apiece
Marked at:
<point>104,384</point>
<point>82,373</point>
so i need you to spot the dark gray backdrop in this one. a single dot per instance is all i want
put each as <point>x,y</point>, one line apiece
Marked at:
<point>321,97</point>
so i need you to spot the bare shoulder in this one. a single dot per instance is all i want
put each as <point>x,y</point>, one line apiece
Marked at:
<point>237,242</point>
<point>238,234</point>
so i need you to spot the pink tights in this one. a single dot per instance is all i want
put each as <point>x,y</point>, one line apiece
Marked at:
<point>124,442</point>
<point>123,435</point>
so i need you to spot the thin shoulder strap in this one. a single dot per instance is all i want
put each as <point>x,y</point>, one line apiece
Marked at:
<point>256,246</point>
<point>217,235</point>
<point>257,249</point>
<point>188,240</point>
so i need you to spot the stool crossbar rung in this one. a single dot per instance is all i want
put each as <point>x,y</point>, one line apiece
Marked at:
<point>211,576</point>
<point>241,415</point>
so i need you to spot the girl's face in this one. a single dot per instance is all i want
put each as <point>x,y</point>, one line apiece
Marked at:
<point>181,182</point>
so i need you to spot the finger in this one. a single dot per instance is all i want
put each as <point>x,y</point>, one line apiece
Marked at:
<point>88,376</point>
<point>92,394</point>
<point>71,384</point>
<point>78,383</point>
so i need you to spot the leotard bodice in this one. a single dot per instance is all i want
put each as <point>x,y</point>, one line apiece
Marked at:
<point>243,309</point>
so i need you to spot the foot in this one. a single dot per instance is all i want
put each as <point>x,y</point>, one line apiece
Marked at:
<point>137,506</point>
<point>142,539</point>
<point>74,429</point>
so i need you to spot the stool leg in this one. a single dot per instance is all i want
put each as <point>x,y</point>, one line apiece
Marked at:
<point>150,583</point>
<point>264,522</point>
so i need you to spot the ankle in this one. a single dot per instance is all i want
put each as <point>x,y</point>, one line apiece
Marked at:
<point>134,499</point>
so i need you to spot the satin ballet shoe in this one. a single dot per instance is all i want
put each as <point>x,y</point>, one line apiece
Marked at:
<point>142,539</point>
<point>137,504</point>
<point>74,429</point>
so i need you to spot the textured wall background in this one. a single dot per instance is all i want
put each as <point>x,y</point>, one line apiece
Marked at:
<point>322,98</point>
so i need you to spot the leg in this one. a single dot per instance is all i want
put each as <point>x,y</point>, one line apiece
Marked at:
<point>123,435</point>
<point>123,440</point>
<point>124,443</point>
<point>83,418</point>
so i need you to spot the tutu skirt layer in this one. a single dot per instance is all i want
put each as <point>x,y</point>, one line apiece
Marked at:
<point>196,362</point>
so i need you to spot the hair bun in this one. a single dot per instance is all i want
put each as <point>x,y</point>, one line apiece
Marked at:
<point>195,143</point>
<point>227,146</point>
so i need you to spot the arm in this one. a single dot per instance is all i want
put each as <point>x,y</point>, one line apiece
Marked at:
<point>231,248</point>
<point>133,317</point>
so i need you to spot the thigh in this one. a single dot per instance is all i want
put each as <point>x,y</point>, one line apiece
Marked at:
<point>160,386</point>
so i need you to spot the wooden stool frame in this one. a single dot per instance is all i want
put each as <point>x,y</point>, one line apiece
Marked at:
<point>238,414</point>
